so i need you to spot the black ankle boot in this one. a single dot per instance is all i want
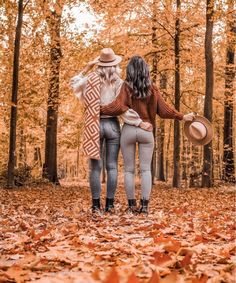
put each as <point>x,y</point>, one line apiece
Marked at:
<point>132,205</point>
<point>96,205</point>
<point>144,206</point>
<point>109,204</point>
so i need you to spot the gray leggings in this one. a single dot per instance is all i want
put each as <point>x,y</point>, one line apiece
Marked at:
<point>129,137</point>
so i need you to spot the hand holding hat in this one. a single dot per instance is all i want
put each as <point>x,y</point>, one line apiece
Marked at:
<point>199,130</point>
<point>107,58</point>
<point>92,63</point>
<point>89,66</point>
<point>189,116</point>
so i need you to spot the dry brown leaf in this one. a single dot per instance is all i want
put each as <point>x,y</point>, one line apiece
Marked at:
<point>162,259</point>
<point>133,279</point>
<point>113,277</point>
<point>186,260</point>
<point>96,275</point>
<point>155,278</point>
<point>168,243</point>
<point>202,279</point>
<point>163,271</point>
<point>18,274</point>
<point>186,251</point>
<point>171,278</point>
<point>172,246</point>
<point>200,238</point>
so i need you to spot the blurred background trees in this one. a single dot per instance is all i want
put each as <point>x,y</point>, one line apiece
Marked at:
<point>169,34</point>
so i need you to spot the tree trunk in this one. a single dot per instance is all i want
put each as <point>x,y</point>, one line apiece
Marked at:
<point>154,78</point>
<point>207,180</point>
<point>161,136</point>
<point>218,153</point>
<point>77,162</point>
<point>37,156</point>
<point>22,150</point>
<point>184,161</point>
<point>13,120</point>
<point>50,165</point>
<point>176,176</point>
<point>167,151</point>
<point>228,151</point>
<point>160,151</point>
<point>195,179</point>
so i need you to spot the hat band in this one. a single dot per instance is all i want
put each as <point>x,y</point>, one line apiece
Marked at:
<point>106,61</point>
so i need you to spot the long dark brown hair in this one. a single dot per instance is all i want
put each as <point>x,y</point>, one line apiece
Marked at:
<point>138,77</point>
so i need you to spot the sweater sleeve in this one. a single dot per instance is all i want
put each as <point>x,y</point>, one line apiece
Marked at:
<point>78,84</point>
<point>131,117</point>
<point>164,110</point>
<point>117,106</point>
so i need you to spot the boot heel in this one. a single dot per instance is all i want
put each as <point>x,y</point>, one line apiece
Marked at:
<point>144,206</point>
<point>96,205</point>
<point>132,206</point>
<point>109,207</point>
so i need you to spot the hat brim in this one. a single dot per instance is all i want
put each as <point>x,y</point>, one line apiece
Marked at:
<point>109,64</point>
<point>208,126</point>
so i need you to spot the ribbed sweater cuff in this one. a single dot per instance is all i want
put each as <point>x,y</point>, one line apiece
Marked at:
<point>138,122</point>
<point>180,116</point>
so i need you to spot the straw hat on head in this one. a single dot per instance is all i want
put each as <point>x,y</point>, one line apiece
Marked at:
<point>199,131</point>
<point>108,58</point>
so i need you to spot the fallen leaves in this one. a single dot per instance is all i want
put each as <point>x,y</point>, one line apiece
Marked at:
<point>47,235</point>
<point>133,279</point>
<point>162,259</point>
<point>15,273</point>
<point>168,244</point>
<point>113,277</point>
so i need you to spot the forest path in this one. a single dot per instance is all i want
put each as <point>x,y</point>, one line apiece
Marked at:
<point>48,234</point>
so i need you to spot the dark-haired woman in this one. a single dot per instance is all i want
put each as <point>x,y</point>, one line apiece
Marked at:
<point>139,94</point>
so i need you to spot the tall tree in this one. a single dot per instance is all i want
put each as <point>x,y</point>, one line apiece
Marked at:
<point>53,14</point>
<point>176,176</point>
<point>161,134</point>
<point>15,79</point>
<point>228,155</point>
<point>154,77</point>
<point>207,180</point>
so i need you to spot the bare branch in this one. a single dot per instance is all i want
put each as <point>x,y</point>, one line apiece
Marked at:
<point>25,5</point>
<point>138,34</point>
<point>160,24</point>
<point>155,52</point>
<point>188,28</point>
<point>192,91</point>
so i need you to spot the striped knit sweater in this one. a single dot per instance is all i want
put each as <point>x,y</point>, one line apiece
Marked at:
<point>147,108</point>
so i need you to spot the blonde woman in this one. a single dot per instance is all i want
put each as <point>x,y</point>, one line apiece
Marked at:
<point>99,88</point>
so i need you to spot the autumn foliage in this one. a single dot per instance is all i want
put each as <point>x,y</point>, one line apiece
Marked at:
<point>54,47</point>
<point>47,232</point>
<point>50,235</point>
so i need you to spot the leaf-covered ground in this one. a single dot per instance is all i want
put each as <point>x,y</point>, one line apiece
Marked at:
<point>48,234</point>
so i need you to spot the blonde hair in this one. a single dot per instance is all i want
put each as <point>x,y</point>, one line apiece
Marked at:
<point>109,74</point>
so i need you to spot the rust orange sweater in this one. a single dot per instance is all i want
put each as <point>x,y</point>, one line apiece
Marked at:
<point>147,108</point>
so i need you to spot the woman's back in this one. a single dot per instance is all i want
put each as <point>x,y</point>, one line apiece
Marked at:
<point>146,107</point>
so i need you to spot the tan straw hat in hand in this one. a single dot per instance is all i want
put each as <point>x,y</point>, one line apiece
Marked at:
<point>199,131</point>
<point>108,58</point>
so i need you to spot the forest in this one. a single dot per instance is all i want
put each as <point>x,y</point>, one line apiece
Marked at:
<point>46,231</point>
